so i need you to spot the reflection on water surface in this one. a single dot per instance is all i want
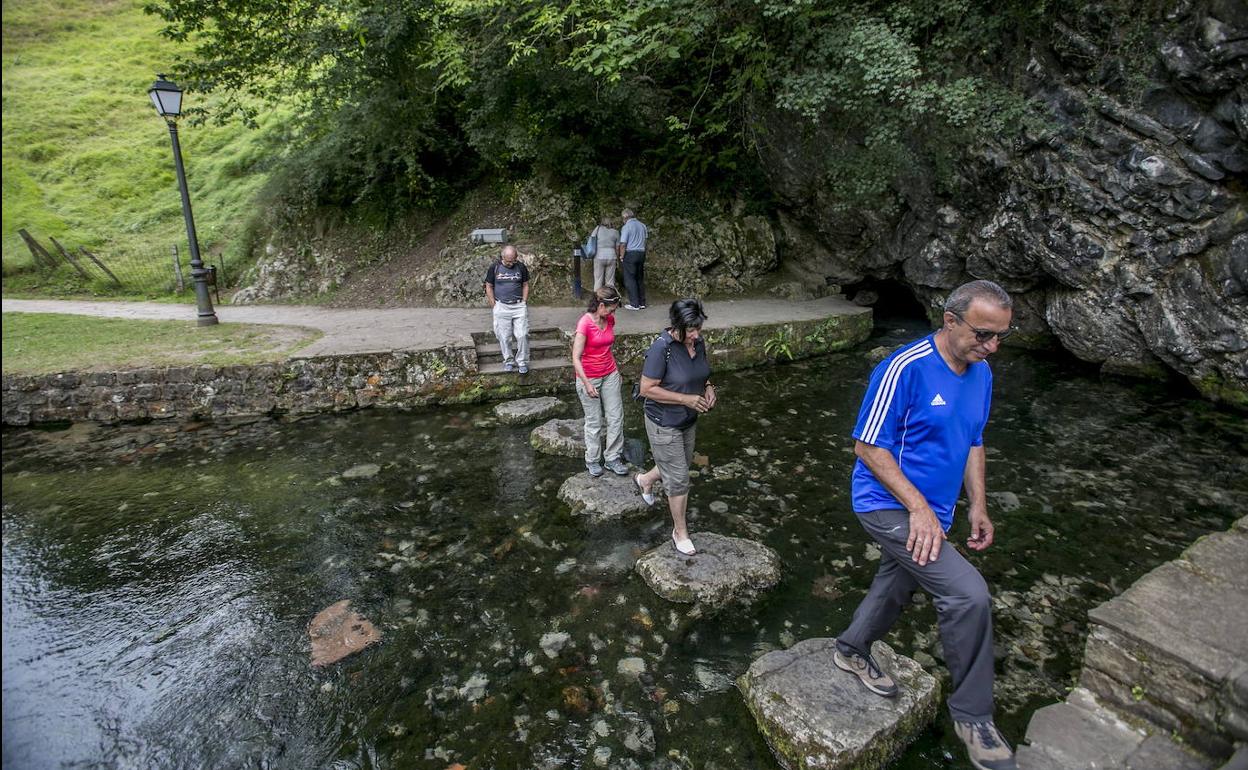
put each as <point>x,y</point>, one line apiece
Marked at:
<point>158,581</point>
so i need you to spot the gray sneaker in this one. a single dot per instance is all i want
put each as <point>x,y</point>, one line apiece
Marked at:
<point>866,669</point>
<point>985,746</point>
<point>617,467</point>
<point>595,469</point>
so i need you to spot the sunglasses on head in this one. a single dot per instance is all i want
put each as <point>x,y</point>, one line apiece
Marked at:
<point>983,335</point>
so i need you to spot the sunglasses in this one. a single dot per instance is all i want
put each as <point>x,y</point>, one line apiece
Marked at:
<point>983,335</point>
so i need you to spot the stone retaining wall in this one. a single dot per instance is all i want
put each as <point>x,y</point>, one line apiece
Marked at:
<point>395,379</point>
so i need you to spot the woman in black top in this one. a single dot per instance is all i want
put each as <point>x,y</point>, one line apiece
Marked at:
<point>674,382</point>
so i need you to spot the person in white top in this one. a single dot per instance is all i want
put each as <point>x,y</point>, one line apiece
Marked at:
<point>604,256</point>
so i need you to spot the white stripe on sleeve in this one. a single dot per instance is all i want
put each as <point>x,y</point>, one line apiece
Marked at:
<point>888,386</point>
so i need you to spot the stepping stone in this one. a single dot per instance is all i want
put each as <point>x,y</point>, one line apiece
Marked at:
<point>528,410</point>
<point>338,631</point>
<point>362,471</point>
<point>724,571</point>
<point>816,716</point>
<point>609,497</point>
<point>560,437</point>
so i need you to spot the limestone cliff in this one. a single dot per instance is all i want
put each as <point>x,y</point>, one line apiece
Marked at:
<point>1121,230</point>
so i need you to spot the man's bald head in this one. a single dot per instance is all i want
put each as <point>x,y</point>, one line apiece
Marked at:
<point>509,255</point>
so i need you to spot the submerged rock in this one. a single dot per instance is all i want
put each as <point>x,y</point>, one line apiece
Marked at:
<point>338,631</point>
<point>560,437</point>
<point>815,715</point>
<point>362,471</point>
<point>528,410</point>
<point>606,497</point>
<point>725,570</point>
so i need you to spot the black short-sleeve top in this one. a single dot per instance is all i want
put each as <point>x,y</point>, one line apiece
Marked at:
<point>668,361</point>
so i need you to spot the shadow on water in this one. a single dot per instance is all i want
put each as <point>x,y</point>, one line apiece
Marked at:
<point>158,580</point>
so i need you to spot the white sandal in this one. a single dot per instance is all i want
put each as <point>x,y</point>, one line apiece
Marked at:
<point>684,546</point>
<point>647,497</point>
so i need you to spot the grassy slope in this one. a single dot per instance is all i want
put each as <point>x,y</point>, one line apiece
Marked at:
<point>86,158</point>
<point>41,343</point>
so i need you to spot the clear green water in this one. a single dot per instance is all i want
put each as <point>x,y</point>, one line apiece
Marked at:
<point>158,582</point>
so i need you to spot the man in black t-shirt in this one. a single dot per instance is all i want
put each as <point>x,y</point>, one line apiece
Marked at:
<point>507,290</point>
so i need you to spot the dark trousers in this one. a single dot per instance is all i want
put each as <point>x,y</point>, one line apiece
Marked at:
<point>635,277</point>
<point>963,610</point>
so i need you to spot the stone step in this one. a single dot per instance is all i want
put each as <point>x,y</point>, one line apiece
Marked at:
<point>1172,649</point>
<point>814,715</point>
<point>538,365</point>
<point>538,349</point>
<point>527,410</point>
<point>544,333</point>
<point>1081,732</point>
<point>724,571</point>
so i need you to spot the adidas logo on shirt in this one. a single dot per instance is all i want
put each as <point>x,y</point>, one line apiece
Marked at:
<point>938,401</point>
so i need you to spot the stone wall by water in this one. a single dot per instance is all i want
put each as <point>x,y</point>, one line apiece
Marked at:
<point>393,379</point>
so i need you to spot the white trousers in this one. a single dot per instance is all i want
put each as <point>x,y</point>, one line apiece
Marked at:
<point>509,321</point>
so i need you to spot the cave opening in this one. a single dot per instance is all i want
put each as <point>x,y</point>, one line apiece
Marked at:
<point>892,303</point>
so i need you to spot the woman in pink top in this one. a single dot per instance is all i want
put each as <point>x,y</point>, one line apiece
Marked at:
<point>598,382</point>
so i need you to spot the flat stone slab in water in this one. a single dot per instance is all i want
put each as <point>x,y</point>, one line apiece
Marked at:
<point>362,471</point>
<point>816,716</point>
<point>338,631</point>
<point>560,437</point>
<point>608,496</point>
<point>528,410</point>
<point>725,570</point>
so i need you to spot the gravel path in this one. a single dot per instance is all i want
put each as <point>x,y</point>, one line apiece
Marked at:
<point>426,328</point>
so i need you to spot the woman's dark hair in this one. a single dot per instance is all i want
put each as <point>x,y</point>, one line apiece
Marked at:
<point>685,314</point>
<point>606,295</point>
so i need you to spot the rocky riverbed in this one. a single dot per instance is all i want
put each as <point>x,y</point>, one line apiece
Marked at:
<point>159,580</point>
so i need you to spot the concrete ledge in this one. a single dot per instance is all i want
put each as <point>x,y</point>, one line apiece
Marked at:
<point>400,378</point>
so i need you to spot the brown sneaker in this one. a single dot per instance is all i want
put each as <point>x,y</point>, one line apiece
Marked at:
<point>985,746</point>
<point>865,668</point>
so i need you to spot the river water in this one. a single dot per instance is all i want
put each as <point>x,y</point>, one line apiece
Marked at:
<point>158,580</point>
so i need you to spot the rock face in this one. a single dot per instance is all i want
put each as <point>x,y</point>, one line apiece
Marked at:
<point>1121,232</point>
<point>560,437</point>
<point>608,497</point>
<point>527,410</point>
<point>724,571</point>
<point>816,716</point>
<point>338,631</point>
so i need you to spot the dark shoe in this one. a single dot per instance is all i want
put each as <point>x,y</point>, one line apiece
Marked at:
<point>631,307</point>
<point>985,746</point>
<point>642,306</point>
<point>617,467</point>
<point>865,668</point>
<point>595,469</point>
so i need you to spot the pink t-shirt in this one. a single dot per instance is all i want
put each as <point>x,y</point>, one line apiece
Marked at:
<point>596,359</point>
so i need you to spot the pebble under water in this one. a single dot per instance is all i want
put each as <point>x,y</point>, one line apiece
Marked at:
<point>158,580</point>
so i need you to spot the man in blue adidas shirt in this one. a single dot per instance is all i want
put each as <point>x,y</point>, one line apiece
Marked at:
<point>919,440</point>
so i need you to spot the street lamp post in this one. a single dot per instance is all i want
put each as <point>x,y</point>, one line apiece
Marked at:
<point>167,98</point>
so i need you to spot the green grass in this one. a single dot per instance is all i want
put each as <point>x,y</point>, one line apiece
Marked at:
<point>87,160</point>
<point>42,343</point>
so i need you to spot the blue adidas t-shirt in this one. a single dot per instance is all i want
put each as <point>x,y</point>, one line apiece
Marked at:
<point>929,417</point>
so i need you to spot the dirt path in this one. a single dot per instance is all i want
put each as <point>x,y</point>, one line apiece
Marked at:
<point>371,331</point>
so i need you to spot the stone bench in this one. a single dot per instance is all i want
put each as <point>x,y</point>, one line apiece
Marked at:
<point>725,571</point>
<point>815,716</point>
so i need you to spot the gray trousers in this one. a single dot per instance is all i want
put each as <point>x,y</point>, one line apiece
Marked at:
<point>607,409</point>
<point>604,273</point>
<point>963,609</point>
